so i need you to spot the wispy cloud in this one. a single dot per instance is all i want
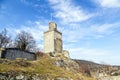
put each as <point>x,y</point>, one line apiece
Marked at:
<point>109,3</point>
<point>67,11</point>
<point>105,29</point>
<point>94,54</point>
<point>93,31</point>
<point>2,8</point>
<point>91,54</point>
<point>26,2</point>
<point>36,30</point>
<point>88,51</point>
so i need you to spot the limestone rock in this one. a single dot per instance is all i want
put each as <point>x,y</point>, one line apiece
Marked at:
<point>67,63</point>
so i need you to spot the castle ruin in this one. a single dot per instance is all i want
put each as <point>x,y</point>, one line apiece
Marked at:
<point>52,45</point>
<point>53,41</point>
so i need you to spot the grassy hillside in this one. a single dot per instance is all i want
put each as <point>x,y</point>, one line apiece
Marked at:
<point>43,66</point>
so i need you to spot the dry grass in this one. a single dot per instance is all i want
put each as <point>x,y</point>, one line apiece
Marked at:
<point>43,66</point>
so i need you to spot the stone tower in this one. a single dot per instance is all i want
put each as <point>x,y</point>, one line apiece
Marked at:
<point>52,39</point>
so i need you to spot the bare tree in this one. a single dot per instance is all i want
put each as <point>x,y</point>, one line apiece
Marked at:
<point>4,39</point>
<point>25,41</point>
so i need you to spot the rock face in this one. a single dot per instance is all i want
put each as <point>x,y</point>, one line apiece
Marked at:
<point>24,76</point>
<point>21,76</point>
<point>109,78</point>
<point>67,63</point>
<point>66,53</point>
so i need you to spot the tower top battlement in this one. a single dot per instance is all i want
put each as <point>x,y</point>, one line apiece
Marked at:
<point>52,26</point>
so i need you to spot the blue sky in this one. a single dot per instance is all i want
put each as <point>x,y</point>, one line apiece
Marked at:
<point>91,28</point>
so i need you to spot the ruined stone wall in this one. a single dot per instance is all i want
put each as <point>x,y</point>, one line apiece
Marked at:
<point>58,45</point>
<point>13,53</point>
<point>58,42</point>
<point>1,49</point>
<point>58,35</point>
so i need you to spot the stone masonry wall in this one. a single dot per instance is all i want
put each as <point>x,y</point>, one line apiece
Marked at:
<point>13,53</point>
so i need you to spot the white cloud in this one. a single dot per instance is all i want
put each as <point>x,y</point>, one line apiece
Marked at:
<point>95,55</point>
<point>93,31</point>
<point>109,3</point>
<point>67,11</point>
<point>3,9</point>
<point>88,51</point>
<point>72,34</point>
<point>105,29</point>
<point>36,30</point>
<point>27,2</point>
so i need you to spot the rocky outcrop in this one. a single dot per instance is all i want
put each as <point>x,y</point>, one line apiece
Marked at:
<point>67,63</point>
<point>21,76</point>
<point>24,76</point>
<point>101,71</point>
